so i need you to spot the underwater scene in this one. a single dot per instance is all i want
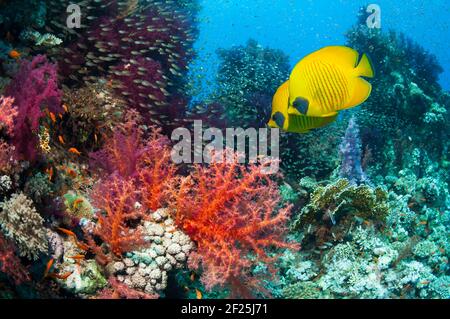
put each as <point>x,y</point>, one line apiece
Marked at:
<point>200,149</point>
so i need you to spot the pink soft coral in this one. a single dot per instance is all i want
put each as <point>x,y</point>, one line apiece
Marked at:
<point>138,170</point>
<point>35,90</point>
<point>230,211</point>
<point>7,115</point>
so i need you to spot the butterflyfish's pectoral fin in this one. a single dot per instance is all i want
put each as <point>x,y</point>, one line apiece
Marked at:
<point>361,93</point>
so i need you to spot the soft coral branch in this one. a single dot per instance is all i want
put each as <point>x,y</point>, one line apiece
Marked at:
<point>230,211</point>
<point>116,200</point>
<point>7,114</point>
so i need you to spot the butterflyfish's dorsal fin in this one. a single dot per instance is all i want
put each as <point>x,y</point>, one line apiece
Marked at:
<point>365,67</point>
<point>343,56</point>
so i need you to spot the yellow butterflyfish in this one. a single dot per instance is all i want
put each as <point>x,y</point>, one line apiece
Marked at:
<point>329,80</point>
<point>289,122</point>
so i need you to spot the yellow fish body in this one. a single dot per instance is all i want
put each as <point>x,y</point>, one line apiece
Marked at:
<point>329,80</point>
<point>280,117</point>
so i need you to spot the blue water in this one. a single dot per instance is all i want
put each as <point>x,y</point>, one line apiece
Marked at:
<point>299,27</point>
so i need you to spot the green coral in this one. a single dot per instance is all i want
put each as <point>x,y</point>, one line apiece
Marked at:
<point>339,199</point>
<point>77,205</point>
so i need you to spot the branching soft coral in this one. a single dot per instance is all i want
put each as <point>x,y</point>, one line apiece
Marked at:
<point>118,290</point>
<point>230,211</point>
<point>116,199</point>
<point>156,172</point>
<point>7,114</point>
<point>139,171</point>
<point>34,89</point>
<point>10,264</point>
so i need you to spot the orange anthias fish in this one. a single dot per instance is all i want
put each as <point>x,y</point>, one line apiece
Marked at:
<point>82,246</point>
<point>14,54</point>
<point>49,172</point>
<point>67,232</point>
<point>198,294</point>
<point>62,276</point>
<point>52,116</point>
<point>73,150</point>
<point>77,257</point>
<point>61,140</point>
<point>77,202</point>
<point>48,267</point>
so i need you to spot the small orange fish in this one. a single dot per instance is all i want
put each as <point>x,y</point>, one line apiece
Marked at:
<point>61,140</point>
<point>82,246</point>
<point>198,294</point>
<point>76,202</point>
<point>52,117</point>
<point>425,282</point>
<point>62,277</point>
<point>423,222</point>
<point>192,277</point>
<point>66,108</point>
<point>77,257</point>
<point>71,172</point>
<point>48,267</point>
<point>14,54</point>
<point>67,232</point>
<point>60,116</point>
<point>49,172</point>
<point>73,150</point>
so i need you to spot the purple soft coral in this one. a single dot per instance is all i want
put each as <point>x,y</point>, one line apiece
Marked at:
<point>34,89</point>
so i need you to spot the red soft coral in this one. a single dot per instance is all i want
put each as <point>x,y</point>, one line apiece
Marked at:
<point>118,290</point>
<point>10,264</point>
<point>156,172</point>
<point>116,200</point>
<point>230,211</point>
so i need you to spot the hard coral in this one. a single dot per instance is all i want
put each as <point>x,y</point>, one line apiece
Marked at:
<point>230,211</point>
<point>20,221</point>
<point>35,89</point>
